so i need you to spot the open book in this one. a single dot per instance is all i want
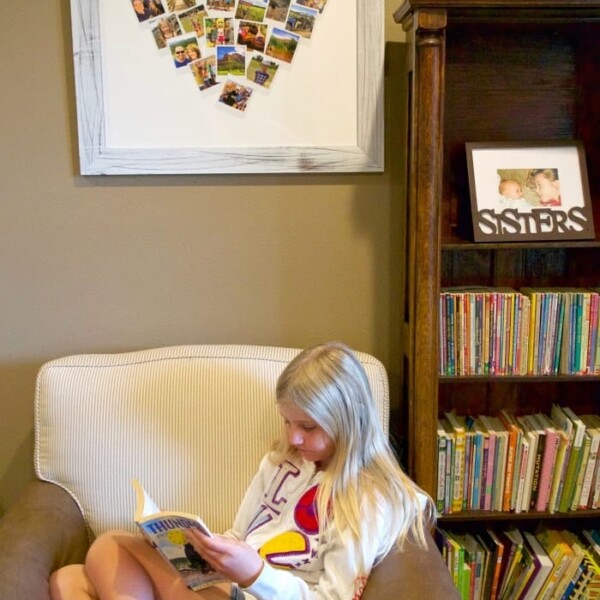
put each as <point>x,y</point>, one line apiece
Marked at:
<point>165,531</point>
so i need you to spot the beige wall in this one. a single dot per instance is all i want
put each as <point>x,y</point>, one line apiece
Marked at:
<point>105,264</point>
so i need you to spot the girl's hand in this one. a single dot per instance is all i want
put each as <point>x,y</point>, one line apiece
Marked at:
<point>232,558</point>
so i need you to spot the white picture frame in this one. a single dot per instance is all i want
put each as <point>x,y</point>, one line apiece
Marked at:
<point>98,156</point>
<point>529,191</point>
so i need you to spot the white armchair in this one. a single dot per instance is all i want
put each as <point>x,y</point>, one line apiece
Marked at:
<point>191,422</point>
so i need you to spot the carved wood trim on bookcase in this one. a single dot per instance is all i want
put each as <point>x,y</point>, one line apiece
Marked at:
<point>426,173</point>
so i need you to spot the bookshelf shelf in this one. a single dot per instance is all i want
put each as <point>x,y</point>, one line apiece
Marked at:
<point>524,379</point>
<point>458,245</point>
<point>489,71</point>
<point>478,516</point>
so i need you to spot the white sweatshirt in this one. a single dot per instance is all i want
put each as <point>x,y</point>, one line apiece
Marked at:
<point>277,517</point>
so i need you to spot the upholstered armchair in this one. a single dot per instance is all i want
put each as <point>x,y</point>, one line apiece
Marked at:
<point>191,422</point>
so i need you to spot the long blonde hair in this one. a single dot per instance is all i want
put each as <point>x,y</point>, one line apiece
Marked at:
<point>329,384</point>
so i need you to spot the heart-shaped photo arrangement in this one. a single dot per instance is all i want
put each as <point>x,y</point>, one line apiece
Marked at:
<point>237,45</point>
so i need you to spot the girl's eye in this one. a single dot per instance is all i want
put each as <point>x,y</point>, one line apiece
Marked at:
<point>308,427</point>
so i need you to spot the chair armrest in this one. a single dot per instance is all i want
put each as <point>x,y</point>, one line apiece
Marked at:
<point>413,574</point>
<point>42,531</point>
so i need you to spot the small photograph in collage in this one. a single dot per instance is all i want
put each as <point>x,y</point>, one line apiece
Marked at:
<point>282,45</point>
<point>278,10</point>
<point>231,60</point>
<point>261,71</point>
<point>205,72</point>
<point>192,20</point>
<point>218,32</point>
<point>301,20</point>
<point>317,4</point>
<point>184,51</point>
<point>177,5</point>
<point>251,10</point>
<point>224,5</point>
<point>235,95</point>
<point>252,35</point>
<point>165,30</point>
<point>147,9</point>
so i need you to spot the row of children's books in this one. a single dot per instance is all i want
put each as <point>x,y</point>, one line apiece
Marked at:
<point>533,331</point>
<point>510,564</point>
<point>533,462</point>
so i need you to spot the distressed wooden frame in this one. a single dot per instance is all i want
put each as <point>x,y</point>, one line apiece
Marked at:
<point>97,158</point>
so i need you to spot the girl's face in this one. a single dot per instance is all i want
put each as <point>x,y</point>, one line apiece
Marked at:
<point>307,436</point>
<point>546,189</point>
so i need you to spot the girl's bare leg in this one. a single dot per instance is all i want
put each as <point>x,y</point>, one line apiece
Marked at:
<point>71,583</point>
<point>122,566</point>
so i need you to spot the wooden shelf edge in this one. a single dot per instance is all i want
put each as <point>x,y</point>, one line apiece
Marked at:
<point>468,246</point>
<point>515,378</point>
<point>480,515</point>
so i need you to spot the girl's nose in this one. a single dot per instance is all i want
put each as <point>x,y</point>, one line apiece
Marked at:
<point>295,438</point>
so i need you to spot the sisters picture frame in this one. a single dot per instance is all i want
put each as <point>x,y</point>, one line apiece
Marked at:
<point>529,191</point>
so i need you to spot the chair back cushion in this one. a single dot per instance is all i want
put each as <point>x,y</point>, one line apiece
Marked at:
<point>190,422</point>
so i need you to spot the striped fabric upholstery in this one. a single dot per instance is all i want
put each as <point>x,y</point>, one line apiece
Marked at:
<point>190,422</point>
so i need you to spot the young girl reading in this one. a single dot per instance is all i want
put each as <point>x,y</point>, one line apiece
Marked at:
<point>327,503</point>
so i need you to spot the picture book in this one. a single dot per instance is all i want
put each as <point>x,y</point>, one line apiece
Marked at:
<point>523,464</point>
<point>575,458</point>
<point>442,440</point>
<point>570,574</point>
<point>450,466</point>
<point>548,461</point>
<point>489,563</point>
<point>540,435</point>
<point>485,484</point>
<point>532,455</point>
<point>513,541</point>
<point>456,425</point>
<point>585,453</point>
<point>477,464</point>
<point>165,530</point>
<point>562,455</point>
<point>475,556</point>
<point>561,555</point>
<point>497,562</point>
<point>543,566</point>
<point>512,459</point>
<point>590,467</point>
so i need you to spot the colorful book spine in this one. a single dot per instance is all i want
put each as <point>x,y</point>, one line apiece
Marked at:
<point>458,428</point>
<point>478,442</point>
<point>561,458</point>
<point>574,460</point>
<point>524,461</point>
<point>513,439</point>
<point>585,453</point>
<point>442,441</point>
<point>548,460</point>
<point>594,315</point>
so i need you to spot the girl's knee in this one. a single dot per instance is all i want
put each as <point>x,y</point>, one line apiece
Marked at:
<point>68,582</point>
<point>109,545</point>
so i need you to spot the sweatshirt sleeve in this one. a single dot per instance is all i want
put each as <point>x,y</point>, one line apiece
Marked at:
<point>342,578</point>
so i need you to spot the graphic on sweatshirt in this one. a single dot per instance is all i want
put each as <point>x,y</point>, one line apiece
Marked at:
<point>296,547</point>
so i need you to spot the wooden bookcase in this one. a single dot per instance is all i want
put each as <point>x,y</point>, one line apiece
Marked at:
<point>489,71</point>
